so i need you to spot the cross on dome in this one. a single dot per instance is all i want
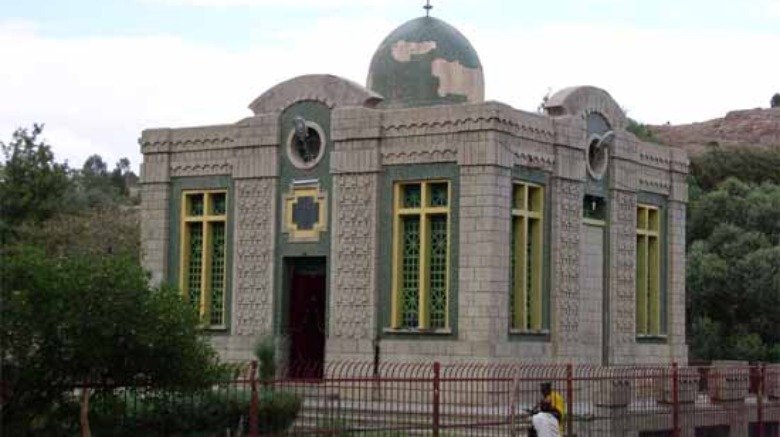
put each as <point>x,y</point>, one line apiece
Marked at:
<point>427,7</point>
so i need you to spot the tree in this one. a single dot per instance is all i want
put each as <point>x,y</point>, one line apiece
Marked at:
<point>97,232</point>
<point>775,102</point>
<point>748,164</point>
<point>33,185</point>
<point>85,318</point>
<point>642,131</point>
<point>99,188</point>
<point>733,273</point>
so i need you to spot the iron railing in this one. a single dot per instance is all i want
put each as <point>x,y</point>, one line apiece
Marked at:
<point>433,398</point>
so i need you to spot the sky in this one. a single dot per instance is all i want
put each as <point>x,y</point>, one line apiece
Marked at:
<point>96,73</point>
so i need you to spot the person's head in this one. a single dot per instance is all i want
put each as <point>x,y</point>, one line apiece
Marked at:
<point>546,388</point>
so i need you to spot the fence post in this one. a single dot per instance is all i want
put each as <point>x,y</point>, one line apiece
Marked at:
<point>760,399</point>
<point>569,398</point>
<point>675,401</point>
<point>436,381</point>
<point>254,430</point>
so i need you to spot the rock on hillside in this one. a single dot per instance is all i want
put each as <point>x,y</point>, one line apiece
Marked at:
<point>746,128</point>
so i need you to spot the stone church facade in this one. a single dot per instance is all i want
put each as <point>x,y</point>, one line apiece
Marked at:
<point>410,219</point>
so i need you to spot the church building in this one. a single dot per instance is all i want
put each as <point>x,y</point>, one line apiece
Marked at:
<point>410,219</point>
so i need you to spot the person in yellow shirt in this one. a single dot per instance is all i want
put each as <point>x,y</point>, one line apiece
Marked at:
<point>547,416</point>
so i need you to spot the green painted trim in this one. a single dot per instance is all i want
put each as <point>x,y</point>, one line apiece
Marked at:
<point>178,185</point>
<point>542,178</point>
<point>652,339</point>
<point>389,177</point>
<point>597,188</point>
<point>531,175</point>
<point>606,302</point>
<point>284,250</point>
<point>539,337</point>
<point>660,201</point>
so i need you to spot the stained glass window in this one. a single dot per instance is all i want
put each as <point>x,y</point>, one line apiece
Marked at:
<point>437,274</point>
<point>203,251</point>
<point>412,196</point>
<point>421,255</point>
<point>410,272</point>
<point>526,291</point>
<point>195,264</point>
<point>648,272</point>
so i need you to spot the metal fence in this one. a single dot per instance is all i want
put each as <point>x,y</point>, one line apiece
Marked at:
<point>493,399</point>
<point>398,399</point>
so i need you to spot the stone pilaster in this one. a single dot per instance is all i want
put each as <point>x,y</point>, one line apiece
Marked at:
<point>676,281</point>
<point>253,254</point>
<point>566,201</point>
<point>622,268</point>
<point>352,323</point>
<point>353,299</point>
<point>484,256</point>
<point>155,200</point>
<point>566,256</point>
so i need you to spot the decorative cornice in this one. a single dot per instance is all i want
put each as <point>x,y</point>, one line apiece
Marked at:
<point>534,159</point>
<point>187,139</point>
<point>472,117</point>
<point>201,168</point>
<point>654,183</point>
<point>410,156</point>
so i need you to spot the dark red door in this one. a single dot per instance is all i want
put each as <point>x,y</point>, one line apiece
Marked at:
<point>307,321</point>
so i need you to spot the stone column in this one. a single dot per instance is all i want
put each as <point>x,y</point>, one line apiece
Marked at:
<point>485,190</point>
<point>353,254</point>
<point>155,200</point>
<point>621,333</point>
<point>255,186</point>
<point>567,191</point>
<point>678,198</point>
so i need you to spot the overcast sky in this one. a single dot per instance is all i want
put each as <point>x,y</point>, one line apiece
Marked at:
<point>98,72</point>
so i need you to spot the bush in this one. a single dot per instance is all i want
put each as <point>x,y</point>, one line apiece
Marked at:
<point>84,318</point>
<point>277,411</point>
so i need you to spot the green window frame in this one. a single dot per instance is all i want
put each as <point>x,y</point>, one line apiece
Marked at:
<point>203,253</point>
<point>421,255</point>
<point>648,271</point>
<point>526,291</point>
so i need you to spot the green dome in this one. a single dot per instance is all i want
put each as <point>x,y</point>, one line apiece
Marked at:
<point>426,62</point>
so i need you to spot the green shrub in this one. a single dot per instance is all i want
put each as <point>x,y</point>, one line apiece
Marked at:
<point>265,352</point>
<point>166,413</point>
<point>277,411</point>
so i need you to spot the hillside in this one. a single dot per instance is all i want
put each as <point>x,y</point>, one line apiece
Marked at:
<point>743,128</point>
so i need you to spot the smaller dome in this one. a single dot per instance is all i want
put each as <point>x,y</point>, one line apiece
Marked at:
<point>426,62</point>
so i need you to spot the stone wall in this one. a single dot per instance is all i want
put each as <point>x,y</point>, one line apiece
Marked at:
<point>486,142</point>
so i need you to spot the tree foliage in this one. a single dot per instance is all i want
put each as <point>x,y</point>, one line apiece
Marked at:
<point>32,184</point>
<point>749,164</point>
<point>89,318</point>
<point>45,202</point>
<point>749,207</point>
<point>97,232</point>
<point>96,187</point>
<point>642,131</point>
<point>775,102</point>
<point>733,272</point>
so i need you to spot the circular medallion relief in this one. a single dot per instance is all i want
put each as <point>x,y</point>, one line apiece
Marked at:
<point>597,156</point>
<point>305,144</point>
<point>600,137</point>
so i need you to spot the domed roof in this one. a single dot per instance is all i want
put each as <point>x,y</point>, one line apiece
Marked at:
<point>426,62</point>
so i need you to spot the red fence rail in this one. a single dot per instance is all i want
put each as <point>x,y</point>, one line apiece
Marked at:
<point>492,399</point>
<point>470,398</point>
